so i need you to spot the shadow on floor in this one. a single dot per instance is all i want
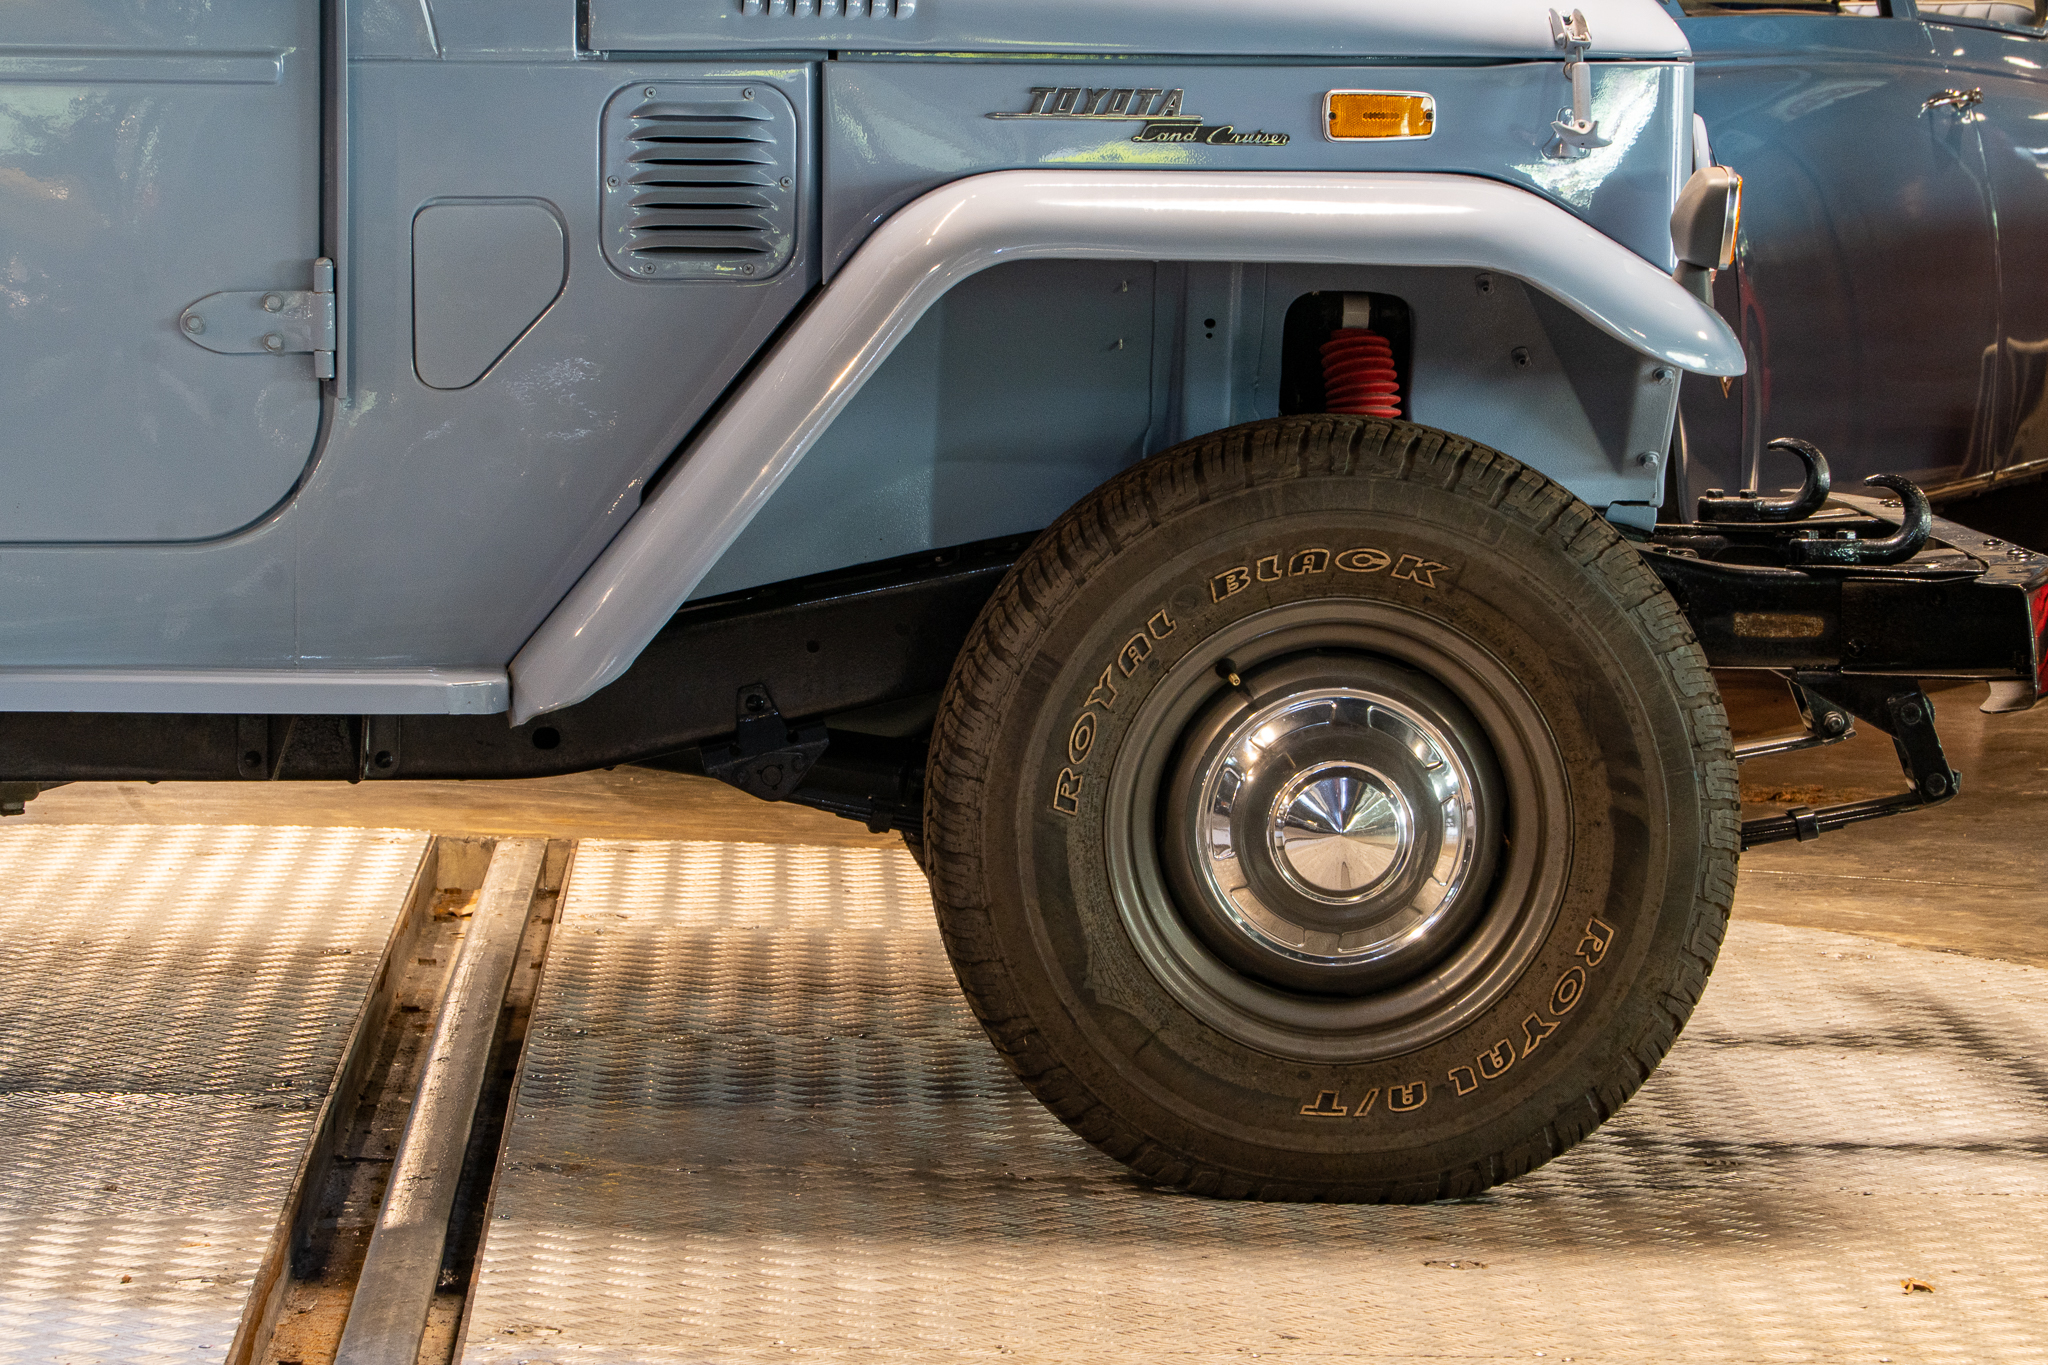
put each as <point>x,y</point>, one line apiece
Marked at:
<point>1967,876</point>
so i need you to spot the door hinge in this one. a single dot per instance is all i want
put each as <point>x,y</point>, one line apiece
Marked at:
<point>269,321</point>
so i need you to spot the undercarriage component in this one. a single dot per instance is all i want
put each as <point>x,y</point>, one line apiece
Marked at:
<point>875,779</point>
<point>1358,374</point>
<point>767,758</point>
<point>1821,723</point>
<point>1900,708</point>
<point>1348,353</point>
<point>15,796</point>
<point>1854,601</point>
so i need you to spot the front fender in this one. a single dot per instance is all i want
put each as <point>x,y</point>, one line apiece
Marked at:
<point>745,453</point>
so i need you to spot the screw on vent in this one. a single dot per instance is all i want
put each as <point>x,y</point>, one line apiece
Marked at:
<point>700,181</point>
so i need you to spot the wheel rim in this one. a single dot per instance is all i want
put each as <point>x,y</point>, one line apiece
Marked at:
<point>1435,918</point>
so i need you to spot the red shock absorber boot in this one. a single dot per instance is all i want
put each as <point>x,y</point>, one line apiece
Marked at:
<point>1358,374</point>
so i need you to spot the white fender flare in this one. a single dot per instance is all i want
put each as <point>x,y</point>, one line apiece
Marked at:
<point>930,245</point>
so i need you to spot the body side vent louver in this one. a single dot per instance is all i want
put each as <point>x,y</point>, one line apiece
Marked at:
<point>700,181</point>
<point>849,9</point>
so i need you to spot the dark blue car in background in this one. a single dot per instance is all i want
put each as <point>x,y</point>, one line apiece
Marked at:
<point>1891,286</point>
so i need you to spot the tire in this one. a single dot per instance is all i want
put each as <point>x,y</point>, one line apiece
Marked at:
<point>1332,808</point>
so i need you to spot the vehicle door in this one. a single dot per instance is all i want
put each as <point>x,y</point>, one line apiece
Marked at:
<point>1866,286</point>
<point>1998,82</point>
<point>150,156</point>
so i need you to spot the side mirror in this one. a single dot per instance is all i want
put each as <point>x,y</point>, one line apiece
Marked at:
<point>1703,227</point>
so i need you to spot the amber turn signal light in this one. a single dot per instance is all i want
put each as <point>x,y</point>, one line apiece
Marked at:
<point>1378,114</point>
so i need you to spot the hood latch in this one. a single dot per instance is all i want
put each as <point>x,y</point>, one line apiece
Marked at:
<point>1577,131</point>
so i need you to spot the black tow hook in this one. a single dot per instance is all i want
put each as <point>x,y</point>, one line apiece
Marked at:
<point>1916,524</point>
<point>1749,506</point>
<point>1810,547</point>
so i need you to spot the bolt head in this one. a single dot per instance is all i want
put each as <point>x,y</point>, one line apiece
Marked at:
<point>1663,374</point>
<point>273,342</point>
<point>1648,459</point>
<point>747,93</point>
<point>194,323</point>
<point>1935,784</point>
<point>273,303</point>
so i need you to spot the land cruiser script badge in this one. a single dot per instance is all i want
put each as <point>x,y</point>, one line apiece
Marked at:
<point>1158,110</point>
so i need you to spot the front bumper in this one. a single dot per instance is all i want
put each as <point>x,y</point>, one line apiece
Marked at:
<point>1966,605</point>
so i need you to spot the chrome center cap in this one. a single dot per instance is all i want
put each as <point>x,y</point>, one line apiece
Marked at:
<point>1339,829</point>
<point>1333,826</point>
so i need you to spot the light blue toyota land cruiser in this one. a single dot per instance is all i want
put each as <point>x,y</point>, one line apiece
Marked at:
<point>1195,469</point>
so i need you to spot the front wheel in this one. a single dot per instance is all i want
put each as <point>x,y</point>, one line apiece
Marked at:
<point>1332,809</point>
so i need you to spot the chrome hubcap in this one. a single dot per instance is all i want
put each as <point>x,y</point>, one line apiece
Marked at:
<point>1340,830</point>
<point>1335,828</point>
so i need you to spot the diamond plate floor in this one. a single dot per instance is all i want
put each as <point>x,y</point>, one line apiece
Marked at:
<point>755,1122</point>
<point>178,1000</point>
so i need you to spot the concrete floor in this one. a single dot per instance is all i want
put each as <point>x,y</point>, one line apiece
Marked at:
<point>1965,877</point>
<point>625,803</point>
